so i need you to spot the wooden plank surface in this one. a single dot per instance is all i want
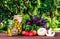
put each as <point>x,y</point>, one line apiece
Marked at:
<point>4,36</point>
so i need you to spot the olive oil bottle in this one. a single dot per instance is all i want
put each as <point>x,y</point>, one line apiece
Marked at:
<point>15,29</point>
<point>18,23</point>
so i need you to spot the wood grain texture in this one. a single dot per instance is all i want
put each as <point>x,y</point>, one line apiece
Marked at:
<point>4,36</point>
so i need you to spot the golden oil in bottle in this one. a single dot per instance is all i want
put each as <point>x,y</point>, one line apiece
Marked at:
<point>9,32</point>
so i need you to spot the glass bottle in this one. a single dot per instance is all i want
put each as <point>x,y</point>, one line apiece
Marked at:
<point>9,32</point>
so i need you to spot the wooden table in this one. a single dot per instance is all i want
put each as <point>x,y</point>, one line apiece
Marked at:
<point>4,36</point>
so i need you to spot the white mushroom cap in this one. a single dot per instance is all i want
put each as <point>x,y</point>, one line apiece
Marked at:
<point>50,32</point>
<point>41,31</point>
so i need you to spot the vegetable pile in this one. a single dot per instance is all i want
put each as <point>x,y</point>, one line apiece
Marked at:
<point>34,23</point>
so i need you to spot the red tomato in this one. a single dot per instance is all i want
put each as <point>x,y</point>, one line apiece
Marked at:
<point>31,34</point>
<point>26,33</point>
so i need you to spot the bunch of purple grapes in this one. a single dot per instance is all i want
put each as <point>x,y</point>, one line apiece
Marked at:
<point>36,20</point>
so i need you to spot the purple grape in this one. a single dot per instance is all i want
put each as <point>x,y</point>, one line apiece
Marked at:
<point>44,25</point>
<point>28,22</point>
<point>38,23</point>
<point>33,19</point>
<point>43,21</point>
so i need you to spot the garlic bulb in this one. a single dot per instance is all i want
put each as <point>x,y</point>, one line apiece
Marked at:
<point>41,31</point>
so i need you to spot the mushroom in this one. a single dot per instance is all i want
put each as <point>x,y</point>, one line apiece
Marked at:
<point>50,32</point>
<point>41,31</point>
